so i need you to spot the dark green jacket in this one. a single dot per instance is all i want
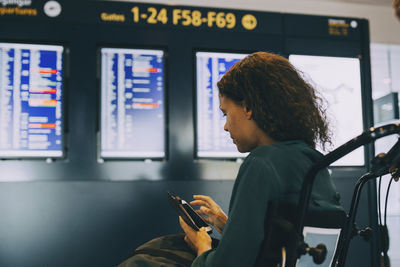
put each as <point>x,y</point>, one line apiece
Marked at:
<point>273,172</point>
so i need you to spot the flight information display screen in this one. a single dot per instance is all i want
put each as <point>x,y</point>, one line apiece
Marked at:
<point>31,87</point>
<point>338,81</point>
<point>212,141</point>
<point>132,103</point>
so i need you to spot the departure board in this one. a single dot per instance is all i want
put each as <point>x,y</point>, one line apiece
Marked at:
<point>132,103</point>
<point>338,81</point>
<point>31,87</point>
<point>212,141</point>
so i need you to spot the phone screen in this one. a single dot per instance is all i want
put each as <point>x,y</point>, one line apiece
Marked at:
<point>195,216</point>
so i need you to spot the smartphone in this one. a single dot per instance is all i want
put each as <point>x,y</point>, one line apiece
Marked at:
<point>188,214</point>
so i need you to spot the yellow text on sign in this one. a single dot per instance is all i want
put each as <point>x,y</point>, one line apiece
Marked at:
<point>196,18</point>
<point>188,17</point>
<point>151,15</point>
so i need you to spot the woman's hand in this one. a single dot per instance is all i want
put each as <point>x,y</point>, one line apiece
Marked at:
<point>212,213</point>
<point>199,241</point>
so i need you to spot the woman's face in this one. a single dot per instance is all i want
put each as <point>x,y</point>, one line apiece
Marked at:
<point>242,129</point>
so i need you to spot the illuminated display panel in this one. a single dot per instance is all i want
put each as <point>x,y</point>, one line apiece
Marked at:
<point>212,141</point>
<point>132,103</point>
<point>31,87</point>
<point>338,80</point>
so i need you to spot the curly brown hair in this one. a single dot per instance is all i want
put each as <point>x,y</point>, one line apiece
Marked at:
<point>283,105</point>
<point>396,5</point>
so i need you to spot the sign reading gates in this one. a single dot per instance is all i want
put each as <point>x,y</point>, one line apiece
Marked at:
<point>186,17</point>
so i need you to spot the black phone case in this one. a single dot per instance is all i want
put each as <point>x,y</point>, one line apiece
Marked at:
<point>176,203</point>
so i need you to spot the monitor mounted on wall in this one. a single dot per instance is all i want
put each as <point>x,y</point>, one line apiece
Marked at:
<point>31,100</point>
<point>211,139</point>
<point>338,81</point>
<point>132,103</point>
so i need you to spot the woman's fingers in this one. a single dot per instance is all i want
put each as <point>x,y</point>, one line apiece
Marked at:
<point>199,203</point>
<point>201,200</point>
<point>184,226</point>
<point>206,214</point>
<point>199,241</point>
<point>209,210</point>
<point>204,198</point>
<point>189,243</point>
<point>205,211</point>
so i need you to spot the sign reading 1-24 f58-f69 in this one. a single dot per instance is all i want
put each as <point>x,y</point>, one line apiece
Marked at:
<point>186,17</point>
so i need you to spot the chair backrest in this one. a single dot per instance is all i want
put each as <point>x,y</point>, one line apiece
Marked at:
<point>321,226</point>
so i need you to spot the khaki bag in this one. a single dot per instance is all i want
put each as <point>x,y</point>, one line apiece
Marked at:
<point>164,251</point>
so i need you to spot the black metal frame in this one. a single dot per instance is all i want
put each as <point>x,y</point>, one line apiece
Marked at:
<point>378,169</point>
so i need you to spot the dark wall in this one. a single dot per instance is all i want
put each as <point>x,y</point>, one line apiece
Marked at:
<point>89,223</point>
<point>78,211</point>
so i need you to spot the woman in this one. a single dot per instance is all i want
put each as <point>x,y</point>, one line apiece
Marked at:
<point>275,115</point>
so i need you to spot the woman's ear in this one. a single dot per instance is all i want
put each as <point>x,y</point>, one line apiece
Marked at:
<point>248,112</point>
